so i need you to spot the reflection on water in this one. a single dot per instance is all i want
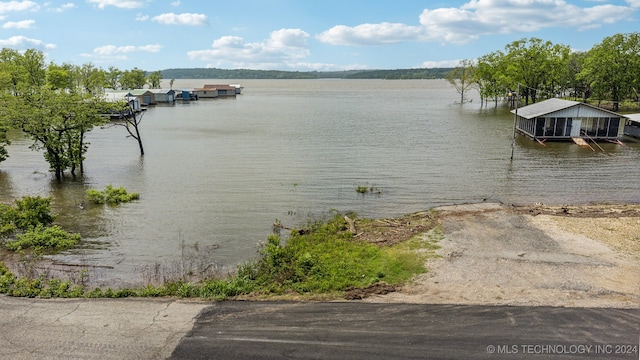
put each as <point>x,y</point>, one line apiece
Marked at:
<point>221,171</point>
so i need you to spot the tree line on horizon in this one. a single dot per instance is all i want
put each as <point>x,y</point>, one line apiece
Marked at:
<point>608,72</point>
<point>215,73</point>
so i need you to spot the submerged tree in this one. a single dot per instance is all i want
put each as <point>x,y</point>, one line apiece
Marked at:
<point>130,120</point>
<point>462,78</point>
<point>53,105</point>
<point>57,121</point>
<point>489,76</point>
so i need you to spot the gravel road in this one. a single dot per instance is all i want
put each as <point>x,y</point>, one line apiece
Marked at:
<point>494,254</point>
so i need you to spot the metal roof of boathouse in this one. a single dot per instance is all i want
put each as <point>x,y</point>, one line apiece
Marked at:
<point>568,108</point>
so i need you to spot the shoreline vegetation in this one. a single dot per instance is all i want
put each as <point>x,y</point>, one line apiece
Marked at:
<point>322,260</point>
<point>341,257</point>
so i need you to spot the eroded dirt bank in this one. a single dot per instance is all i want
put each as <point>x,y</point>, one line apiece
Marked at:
<point>493,254</point>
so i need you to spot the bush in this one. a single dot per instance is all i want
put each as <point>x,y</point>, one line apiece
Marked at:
<point>33,211</point>
<point>110,195</point>
<point>326,260</point>
<point>49,238</point>
<point>28,213</point>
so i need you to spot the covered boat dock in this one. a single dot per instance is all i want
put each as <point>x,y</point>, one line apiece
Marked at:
<point>559,119</point>
<point>632,125</point>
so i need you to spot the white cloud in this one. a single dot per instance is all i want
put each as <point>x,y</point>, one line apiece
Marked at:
<point>440,64</point>
<point>482,17</point>
<point>142,17</point>
<point>24,24</point>
<point>181,19</point>
<point>122,4</point>
<point>486,17</point>
<point>634,3</point>
<point>283,46</point>
<point>110,50</point>
<point>175,3</point>
<point>61,8</point>
<point>370,34</point>
<point>9,6</point>
<point>25,42</point>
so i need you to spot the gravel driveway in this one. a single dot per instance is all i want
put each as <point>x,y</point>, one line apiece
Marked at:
<point>494,254</point>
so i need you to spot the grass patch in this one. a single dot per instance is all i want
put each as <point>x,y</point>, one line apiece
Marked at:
<point>327,259</point>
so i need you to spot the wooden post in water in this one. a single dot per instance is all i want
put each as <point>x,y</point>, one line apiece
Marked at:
<point>515,119</point>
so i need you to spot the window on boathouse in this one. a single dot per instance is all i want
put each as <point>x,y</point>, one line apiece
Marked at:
<point>553,127</point>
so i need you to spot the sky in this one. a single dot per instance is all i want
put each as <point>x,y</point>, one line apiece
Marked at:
<point>301,35</point>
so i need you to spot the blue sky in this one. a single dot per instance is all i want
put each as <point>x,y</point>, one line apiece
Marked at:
<point>300,35</point>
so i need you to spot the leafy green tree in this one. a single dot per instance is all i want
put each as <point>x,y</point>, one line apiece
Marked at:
<point>57,121</point>
<point>612,67</point>
<point>462,78</point>
<point>489,75</point>
<point>154,79</point>
<point>34,66</point>
<point>58,77</point>
<point>112,78</point>
<point>576,84</point>
<point>133,79</point>
<point>531,63</point>
<point>12,71</point>
<point>89,78</point>
<point>54,105</point>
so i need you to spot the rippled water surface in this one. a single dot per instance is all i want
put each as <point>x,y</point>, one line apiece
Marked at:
<point>221,171</point>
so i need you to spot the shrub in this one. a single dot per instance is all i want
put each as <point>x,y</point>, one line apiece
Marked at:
<point>33,211</point>
<point>110,195</point>
<point>326,260</point>
<point>27,213</point>
<point>48,238</point>
<point>6,278</point>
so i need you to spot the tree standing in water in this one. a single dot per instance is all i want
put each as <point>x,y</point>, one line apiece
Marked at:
<point>462,78</point>
<point>130,120</point>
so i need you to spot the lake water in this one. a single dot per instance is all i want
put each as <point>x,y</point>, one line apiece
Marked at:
<point>220,172</point>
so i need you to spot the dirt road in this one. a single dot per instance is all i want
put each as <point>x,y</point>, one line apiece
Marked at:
<point>493,254</point>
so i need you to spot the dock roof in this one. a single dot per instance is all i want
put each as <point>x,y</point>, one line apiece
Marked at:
<point>633,117</point>
<point>553,105</point>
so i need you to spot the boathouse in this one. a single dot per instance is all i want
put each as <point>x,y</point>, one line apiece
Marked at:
<point>146,96</point>
<point>164,95</point>
<point>132,101</point>
<point>558,119</point>
<point>632,125</point>
<point>214,91</point>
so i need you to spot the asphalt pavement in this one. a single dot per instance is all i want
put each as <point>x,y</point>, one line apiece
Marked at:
<point>183,329</point>
<point>353,330</point>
